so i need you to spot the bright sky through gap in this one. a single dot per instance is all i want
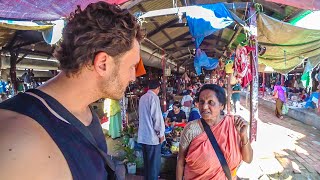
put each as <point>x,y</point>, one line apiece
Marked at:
<point>311,21</point>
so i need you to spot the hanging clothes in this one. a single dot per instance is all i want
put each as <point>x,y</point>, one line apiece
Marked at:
<point>123,105</point>
<point>306,80</point>
<point>242,65</point>
<point>113,110</point>
<point>2,87</point>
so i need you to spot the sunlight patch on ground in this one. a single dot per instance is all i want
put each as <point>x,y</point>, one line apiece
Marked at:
<point>272,140</point>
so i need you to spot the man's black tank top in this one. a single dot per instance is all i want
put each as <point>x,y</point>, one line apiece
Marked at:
<point>83,159</point>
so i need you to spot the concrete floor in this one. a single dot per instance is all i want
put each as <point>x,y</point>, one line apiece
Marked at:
<point>285,149</point>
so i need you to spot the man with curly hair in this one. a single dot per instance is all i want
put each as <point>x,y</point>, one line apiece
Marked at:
<point>98,54</point>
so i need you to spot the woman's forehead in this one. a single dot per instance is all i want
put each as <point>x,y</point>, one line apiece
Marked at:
<point>205,94</point>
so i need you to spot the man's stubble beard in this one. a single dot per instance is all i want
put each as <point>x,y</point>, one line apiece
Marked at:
<point>112,86</point>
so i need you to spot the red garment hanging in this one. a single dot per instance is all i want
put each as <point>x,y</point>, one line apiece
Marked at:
<point>242,65</point>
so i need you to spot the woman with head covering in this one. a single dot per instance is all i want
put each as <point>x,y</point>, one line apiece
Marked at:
<point>186,102</point>
<point>197,158</point>
<point>280,95</point>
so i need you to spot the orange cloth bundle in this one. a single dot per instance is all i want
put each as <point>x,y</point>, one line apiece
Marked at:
<point>140,70</point>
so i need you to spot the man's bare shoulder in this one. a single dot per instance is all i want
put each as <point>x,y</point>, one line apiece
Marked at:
<point>27,151</point>
<point>14,125</point>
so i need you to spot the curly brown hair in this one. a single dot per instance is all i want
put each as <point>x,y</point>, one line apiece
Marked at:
<point>101,27</point>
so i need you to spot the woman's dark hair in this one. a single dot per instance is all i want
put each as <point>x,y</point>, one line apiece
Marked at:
<point>219,91</point>
<point>195,101</point>
<point>177,104</point>
<point>101,27</point>
<point>196,98</point>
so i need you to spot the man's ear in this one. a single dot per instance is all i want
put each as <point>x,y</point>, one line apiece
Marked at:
<point>101,63</point>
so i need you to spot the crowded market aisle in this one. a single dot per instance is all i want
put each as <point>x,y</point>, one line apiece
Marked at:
<point>285,149</point>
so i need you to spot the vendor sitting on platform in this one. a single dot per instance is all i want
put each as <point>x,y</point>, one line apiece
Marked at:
<point>303,95</point>
<point>176,115</point>
<point>312,101</point>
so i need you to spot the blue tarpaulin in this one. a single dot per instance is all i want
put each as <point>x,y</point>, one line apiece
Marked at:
<point>203,21</point>
<point>206,19</point>
<point>202,60</point>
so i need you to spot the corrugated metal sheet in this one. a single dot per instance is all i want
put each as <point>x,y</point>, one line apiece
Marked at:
<point>5,36</point>
<point>158,21</point>
<point>148,26</point>
<point>159,39</point>
<point>175,32</point>
<point>155,5</point>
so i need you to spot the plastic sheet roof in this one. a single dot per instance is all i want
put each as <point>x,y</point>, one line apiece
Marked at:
<point>287,46</point>
<point>43,10</point>
<point>302,4</point>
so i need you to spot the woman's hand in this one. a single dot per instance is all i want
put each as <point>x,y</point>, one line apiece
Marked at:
<point>241,126</point>
<point>246,149</point>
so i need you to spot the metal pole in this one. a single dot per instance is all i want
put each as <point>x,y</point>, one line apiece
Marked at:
<point>255,76</point>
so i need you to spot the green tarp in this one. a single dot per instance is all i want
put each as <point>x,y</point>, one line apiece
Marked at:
<point>287,45</point>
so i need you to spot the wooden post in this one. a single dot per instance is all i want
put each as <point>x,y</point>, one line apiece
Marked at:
<point>229,92</point>
<point>255,76</point>
<point>13,69</point>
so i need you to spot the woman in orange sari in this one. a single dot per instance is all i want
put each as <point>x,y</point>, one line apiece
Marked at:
<point>197,158</point>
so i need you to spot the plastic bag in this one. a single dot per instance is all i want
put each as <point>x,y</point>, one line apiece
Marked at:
<point>285,109</point>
